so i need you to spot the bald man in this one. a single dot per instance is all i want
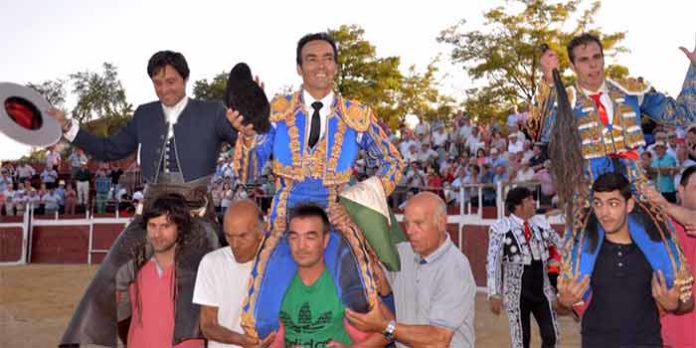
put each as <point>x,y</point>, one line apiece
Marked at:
<point>435,289</point>
<point>223,278</point>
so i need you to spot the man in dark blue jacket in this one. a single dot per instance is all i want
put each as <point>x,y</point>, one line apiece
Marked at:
<point>177,141</point>
<point>174,131</point>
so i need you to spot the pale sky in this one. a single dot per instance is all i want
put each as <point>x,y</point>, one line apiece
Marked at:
<point>42,40</point>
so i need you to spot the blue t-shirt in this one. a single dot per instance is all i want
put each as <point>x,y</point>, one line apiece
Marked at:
<point>665,182</point>
<point>103,184</point>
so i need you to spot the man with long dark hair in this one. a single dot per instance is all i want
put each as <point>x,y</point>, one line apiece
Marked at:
<point>625,289</point>
<point>150,283</point>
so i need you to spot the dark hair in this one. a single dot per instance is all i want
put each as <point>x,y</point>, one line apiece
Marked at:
<point>163,58</point>
<point>172,205</point>
<point>316,37</point>
<point>612,181</point>
<point>515,197</point>
<point>686,175</point>
<point>543,48</point>
<point>311,210</point>
<point>582,40</point>
<point>476,168</point>
<point>642,212</point>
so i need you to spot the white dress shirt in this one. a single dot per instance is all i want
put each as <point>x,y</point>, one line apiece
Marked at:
<point>324,112</point>
<point>171,114</point>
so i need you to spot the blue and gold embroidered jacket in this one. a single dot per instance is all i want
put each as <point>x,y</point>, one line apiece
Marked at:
<point>317,174</point>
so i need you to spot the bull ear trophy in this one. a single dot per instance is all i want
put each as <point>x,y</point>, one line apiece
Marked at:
<point>23,118</point>
<point>567,163</point>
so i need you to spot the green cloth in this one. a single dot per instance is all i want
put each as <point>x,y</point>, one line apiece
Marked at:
<point>313,315</point>
<point>381,236</point>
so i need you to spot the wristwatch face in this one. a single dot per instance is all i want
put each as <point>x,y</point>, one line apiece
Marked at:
<point>389,331</point>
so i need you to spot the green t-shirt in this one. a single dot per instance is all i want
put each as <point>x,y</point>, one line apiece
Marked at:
<point>313,315</point>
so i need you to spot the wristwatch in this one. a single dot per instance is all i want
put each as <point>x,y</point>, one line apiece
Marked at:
<point>389,331</point>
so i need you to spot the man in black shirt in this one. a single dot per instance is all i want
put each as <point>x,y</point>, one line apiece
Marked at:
<point>115,175</point>
<point>82,180</point>
<point>627,294</point>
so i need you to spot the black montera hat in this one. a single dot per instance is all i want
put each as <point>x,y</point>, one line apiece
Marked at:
<point>246,96</point>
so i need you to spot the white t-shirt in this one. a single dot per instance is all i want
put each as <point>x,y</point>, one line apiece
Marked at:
<point>222,282</point>
<point>439,139</point>
<point>515,147</point>
<point>524,175</point>
<point>427,155</point>
<point>422,128</point>
<point>405,145</point>
<point>464,133</point>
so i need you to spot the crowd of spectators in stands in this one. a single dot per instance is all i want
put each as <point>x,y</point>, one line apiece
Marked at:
<point>461,160</point>
<point>64,188</point>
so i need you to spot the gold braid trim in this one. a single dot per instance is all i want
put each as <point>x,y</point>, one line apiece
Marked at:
<point>338,140</point>
<point>391,155</point>
<point>538,112</point>
<point>630,85</point>
<point>264,255</point>
<point>356,116</point>
<point>359,246</point>
<point>241,157</point>
<point>293,131</point>
<point>683,278</point>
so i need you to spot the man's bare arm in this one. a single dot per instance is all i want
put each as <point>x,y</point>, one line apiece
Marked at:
<point>423,335</point>
<point>212,330</point>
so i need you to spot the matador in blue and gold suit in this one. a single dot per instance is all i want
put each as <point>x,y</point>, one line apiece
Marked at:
<point>613,147</point>
<point>315,175</point>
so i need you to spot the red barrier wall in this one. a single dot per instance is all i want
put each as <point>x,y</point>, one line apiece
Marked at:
<point>104,236</point>
<point>59,244</point>
<point>68,244</point>
<point>10,244</point>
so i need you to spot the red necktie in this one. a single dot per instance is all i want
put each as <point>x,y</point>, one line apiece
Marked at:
<point>600,108</point>
<point>527,231</point>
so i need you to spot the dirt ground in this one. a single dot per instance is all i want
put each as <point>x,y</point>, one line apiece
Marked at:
<point>37,301</point>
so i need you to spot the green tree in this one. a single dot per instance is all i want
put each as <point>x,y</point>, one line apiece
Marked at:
<point>419,95</point>
<point>365,77</point>
<point>213,90</point>
<point>379,82</point>
<point>52,90</point>
<point>505,55</point>
<point>100,96</point>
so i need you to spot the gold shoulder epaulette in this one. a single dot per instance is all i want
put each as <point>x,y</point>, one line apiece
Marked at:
<point>630,85</point>
<point>280,106</point>
<point>357,116</point>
